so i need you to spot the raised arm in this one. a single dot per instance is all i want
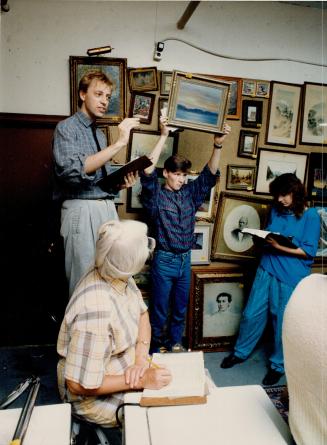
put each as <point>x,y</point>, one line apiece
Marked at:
<point>213,162</point>
<point>93,162</point>
<point>155,154</point>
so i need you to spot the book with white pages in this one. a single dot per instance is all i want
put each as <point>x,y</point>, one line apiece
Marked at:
<point>281,239</point>
<point>188,385</point>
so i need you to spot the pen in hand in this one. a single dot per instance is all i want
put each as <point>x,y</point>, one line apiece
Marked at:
<point>151,364</point>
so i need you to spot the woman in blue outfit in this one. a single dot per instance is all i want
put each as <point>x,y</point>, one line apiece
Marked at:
<point>280,270</point>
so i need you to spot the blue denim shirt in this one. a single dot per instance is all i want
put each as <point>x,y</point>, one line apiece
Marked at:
<point>73,142</point>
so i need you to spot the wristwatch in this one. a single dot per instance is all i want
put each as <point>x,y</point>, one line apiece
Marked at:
<point>217,146</point>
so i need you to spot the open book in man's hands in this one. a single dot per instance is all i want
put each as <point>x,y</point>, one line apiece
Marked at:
<point>188,385</point>
<point>115,180</point>
<point>281,239</point>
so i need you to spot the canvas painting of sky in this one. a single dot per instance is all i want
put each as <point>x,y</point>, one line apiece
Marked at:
<point>198,103</point>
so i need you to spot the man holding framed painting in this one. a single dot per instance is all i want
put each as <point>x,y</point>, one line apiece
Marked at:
<point>81,155</point>
<point>172,208</point>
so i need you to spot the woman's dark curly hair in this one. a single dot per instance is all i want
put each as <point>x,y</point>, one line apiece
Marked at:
<point>289,183</point>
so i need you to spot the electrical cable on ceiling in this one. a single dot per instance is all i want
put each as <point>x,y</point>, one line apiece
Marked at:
<point>224,56</point>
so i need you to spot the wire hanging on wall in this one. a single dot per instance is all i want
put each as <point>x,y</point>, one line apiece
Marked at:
<point>244,59</point>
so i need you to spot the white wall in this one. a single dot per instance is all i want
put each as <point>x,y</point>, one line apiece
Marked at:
<point>38,36</point>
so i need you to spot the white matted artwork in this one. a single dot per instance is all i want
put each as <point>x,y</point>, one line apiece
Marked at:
<point>273,163</point>
<point>239,218</point>
<point>205,210</point>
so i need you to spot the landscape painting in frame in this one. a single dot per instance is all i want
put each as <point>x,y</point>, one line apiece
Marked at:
<point>314,114</point>
<point>115,70</point>
<point>283,114</point>
<point>317,176</point>
<point>197,102</point>
<point>213,326</point>
<point>236,212</point>
<point>273,163</point>
<point>142,143</point>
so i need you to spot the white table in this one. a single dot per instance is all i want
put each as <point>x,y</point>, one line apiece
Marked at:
<point>49,425</point>
<point>232,416</point>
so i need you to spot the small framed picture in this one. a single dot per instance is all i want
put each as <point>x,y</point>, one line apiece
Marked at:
<point>142,106</point>
<point>197,102</point>
<point>143,79</point>
<point>262,88</point>
<point>314,114</point>
<point>272,163</point>
<point>235,212</point>
<point>217,300</point>
<point>283,114</point>
<point>165,82</point>
<point>240,177</point>
<point>162,103</point>
<point>248,144</point>
<point>200,253</point>
<point>317,176</point>
<point>249,87</point>
<point>251,113</point>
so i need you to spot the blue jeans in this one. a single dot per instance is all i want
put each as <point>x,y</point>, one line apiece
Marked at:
<point>268,296</point>
<point>171,278</point>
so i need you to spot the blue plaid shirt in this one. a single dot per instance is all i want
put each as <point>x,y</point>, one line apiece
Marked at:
<point>172,213</point>
<point>73,142</point>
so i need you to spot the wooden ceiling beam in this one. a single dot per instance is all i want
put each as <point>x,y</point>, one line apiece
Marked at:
<point>191,7</point>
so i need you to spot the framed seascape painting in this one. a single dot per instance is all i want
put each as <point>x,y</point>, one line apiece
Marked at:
<point>317,176</point>
<point>216,304</point>
<point>115,70</point>
<point>248,144</point>
<point>200,253</point>
<point>142,106</point>
<point>251,113</point>
<point>240,177</point>
<point>236,212</point>
<point>314,114</point>
<point>272,163</point>
<point>143,79</point>
<point>197,102</point>
<point>165,82</point>
<point>283,114</point>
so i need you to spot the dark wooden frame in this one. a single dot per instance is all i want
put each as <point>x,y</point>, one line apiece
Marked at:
<point>230,205</point>
<point>314,139</point>
<point>245,187</point>
<point>143,120</point>
<point>150,86</point>
<point>115,69</point>
<point>317,171</point>
<point>249,123</point>
<point>275,89</point>
<point>241,151</point>
<point>222,277</point>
